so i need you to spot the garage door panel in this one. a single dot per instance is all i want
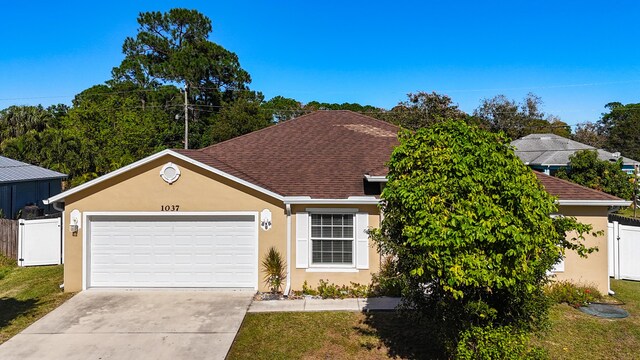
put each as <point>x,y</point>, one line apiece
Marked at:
<point>173,252</point>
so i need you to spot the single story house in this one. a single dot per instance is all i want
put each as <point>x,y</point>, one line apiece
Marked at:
<point>309,186</point>
<point>23,184</point>
<point>550,152</point>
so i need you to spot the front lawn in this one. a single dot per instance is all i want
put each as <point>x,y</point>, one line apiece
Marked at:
<point>384,335</point>
<point>27,294</point>
<point>329,335</point>
<point>575,335</point>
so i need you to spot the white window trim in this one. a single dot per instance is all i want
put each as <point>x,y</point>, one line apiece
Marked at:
<point>332,267</point>
<point>331,270</point>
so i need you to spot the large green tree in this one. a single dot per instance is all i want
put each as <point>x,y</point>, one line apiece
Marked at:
<point>519,119</point>
<point>424,109</point>
<point>174,48</point>
<point>283,108</point>
<point>18,120</point>
<point>240,117</point>
<point>621,127</point>
<point>591,134</point>
<point>587,170</point>
<point>469,227</point>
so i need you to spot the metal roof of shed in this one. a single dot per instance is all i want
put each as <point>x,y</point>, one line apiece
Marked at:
<point>17,171</point>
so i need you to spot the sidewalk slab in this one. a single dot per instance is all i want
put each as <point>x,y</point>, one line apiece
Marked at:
<point>309,304</point>
<point>379,303</point>
<point>331,305</point>
<point>276,305</point>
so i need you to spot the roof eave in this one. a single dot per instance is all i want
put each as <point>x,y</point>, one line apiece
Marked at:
<point>351,200</point>
<point>61,177</point>
<point>612,202</point>
<point>60,197</point>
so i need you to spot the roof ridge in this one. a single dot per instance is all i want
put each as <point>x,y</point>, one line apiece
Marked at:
<point>282,123</point>
<point>577,185</point>
<point>259,130</point>
<point>369,117</point>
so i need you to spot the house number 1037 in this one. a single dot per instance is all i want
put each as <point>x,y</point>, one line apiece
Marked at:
<point>169,207</point>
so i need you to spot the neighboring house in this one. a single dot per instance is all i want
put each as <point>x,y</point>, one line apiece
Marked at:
<point>23,184</point>
<point>206,218</point>
<point>550,152</point>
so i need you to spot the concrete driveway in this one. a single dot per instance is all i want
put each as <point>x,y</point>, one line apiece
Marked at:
<point>135,324</point>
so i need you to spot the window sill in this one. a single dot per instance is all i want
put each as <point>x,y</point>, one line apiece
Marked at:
<point>331,270</point>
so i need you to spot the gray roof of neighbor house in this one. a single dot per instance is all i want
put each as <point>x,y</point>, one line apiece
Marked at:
<point>17,171</point>
<point>552,149</point>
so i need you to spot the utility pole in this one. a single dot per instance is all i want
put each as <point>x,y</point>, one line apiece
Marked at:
<point>186,116</point>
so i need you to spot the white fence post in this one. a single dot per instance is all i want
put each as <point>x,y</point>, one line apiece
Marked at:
<point>616,250</point>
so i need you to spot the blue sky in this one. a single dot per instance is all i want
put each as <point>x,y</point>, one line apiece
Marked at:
<point>576,55</point>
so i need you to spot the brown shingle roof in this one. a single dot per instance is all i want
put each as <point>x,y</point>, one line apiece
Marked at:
<point>566,190</point>
<point>326,154</point>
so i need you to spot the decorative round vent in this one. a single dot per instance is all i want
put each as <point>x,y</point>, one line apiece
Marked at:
<point>170,173</point>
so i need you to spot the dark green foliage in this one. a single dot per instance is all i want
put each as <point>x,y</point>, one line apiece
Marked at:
<point>469,226</point>
<point>283,108</point>
<point>587,170</point>
<point>275,270</point>
<point>423,109</point>
<point>174,47</point>
<point>519,119</point>
<point>16,121</point>
<point>621,127</point>
<point>240,117</point>
<point>388,281</point>
<point>489,343</point>
<point>365,109</point>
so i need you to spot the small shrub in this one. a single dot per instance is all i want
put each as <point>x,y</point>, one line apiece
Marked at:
<point>327,290</point>
<point>387,282</point>
<point>308,290</point>
<point>275,270</point>
<point>572,294</point>
<point>506,342</point>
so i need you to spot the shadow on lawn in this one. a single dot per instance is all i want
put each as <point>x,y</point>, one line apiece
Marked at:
<point>403,335</point>
<point>11,308</point>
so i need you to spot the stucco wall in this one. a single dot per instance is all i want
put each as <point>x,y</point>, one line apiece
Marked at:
<point>298,276</point>
<point>592,270</point>
<point>142,189</point>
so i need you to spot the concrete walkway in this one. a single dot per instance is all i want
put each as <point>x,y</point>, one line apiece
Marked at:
<point>135,324</point>
<point>308,304</point>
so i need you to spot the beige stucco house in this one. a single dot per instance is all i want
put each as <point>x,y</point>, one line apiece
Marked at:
<point>308,186</point>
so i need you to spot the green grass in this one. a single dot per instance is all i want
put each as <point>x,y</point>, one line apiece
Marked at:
<point>27,294</point>
<point>384,335</point>
<point>628,212</point>
<point>330,335</point>
<point>575,335</point>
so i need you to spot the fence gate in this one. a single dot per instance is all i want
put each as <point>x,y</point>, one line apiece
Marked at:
<point>624,251</point>
<point>40,242</point>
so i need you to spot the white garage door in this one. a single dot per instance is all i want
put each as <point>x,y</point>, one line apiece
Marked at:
<point>173,251</point>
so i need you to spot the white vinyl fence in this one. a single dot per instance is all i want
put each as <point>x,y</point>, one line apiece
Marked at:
<point>624,251</point>
<point>40,242</point>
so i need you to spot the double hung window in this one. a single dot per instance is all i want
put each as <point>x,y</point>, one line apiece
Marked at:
<point>332,239</point>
